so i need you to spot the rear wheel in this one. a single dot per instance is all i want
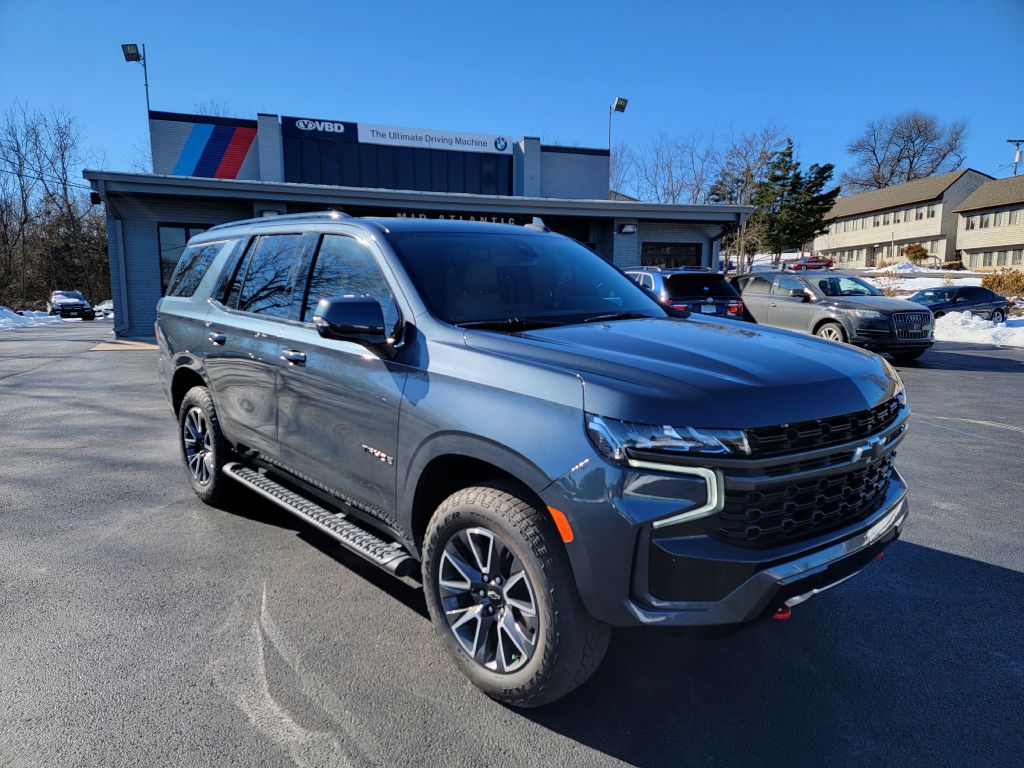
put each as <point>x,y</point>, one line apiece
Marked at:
<point>831,332</point>
<point>502,597</point>
<point>204,448</point>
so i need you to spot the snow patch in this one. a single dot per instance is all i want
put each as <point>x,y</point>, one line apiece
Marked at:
<point>899,268</point>
<point>963,326</point>
<point>10,320</point>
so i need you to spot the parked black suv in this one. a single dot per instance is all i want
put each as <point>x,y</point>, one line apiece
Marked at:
<point>500,410</point>
<point>697,289</point>
<point>70,304</point>
<point>838,307</point>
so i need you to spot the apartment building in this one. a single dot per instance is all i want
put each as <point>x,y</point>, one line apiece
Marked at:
<point>990,230</point>
<point>871,228</point>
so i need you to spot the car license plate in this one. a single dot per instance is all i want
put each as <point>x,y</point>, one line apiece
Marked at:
<point>708,309</point>
<point>73,313</point>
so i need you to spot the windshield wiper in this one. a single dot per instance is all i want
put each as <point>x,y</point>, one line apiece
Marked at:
<point>617,316</point>
<point>509,323</point>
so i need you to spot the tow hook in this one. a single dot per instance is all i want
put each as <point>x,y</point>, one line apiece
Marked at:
<point>782,613</point>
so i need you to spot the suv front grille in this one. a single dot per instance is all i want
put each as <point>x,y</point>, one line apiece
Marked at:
<point>785,510</point>
<point>911,325</point>
<point>821,433</point>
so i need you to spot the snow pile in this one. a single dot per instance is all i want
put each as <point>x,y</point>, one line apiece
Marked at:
<point>900,268</point>
<point>963,326</point>
<point>10,320</point>
<point>913,284</point>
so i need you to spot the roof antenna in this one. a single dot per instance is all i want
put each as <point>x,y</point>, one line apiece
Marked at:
<point>537,224</point>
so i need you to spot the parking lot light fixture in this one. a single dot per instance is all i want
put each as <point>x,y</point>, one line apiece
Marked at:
<point>132,53</point>
<point>619,105</point>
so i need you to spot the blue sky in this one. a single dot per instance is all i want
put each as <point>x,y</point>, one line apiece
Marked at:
<point>819,69</point>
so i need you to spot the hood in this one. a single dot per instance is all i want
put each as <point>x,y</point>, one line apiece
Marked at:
<point>878,303</point>
<point>706,373</point>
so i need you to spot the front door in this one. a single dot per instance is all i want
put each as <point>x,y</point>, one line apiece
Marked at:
<point>789,310</point>
<point>338,402</point>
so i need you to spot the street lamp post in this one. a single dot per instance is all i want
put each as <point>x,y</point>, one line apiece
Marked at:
<point>619,105</point>
<point>1016,155</point>
<point>132,53</point>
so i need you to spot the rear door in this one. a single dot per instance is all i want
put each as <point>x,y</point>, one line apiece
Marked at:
<point>789,311</point>
<point>242,347</point>
<point>756,293</point>
<point>338,402</point>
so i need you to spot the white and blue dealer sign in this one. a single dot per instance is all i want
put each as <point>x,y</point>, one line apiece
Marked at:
<point>389,135</point>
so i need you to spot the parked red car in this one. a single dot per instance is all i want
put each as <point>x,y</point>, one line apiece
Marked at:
<point>810,262</point>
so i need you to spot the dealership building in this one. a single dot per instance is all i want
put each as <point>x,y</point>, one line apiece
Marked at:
<point>210,170</point>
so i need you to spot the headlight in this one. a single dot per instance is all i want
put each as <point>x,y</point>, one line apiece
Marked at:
<point>616,440</point>
<point>866,313</point>
<point>895,376</point>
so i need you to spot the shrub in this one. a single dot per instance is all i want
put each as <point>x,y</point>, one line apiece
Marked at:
<point>915,253</point>
<point>1008,282</point>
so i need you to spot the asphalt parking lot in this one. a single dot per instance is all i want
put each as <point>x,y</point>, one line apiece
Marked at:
<point>139,627</point>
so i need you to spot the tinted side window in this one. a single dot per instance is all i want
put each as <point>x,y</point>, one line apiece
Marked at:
<point>344,267</point>
<point>784,284</point>
<point>192,267</point>
<point>267,288</point>
<point>757,284</point>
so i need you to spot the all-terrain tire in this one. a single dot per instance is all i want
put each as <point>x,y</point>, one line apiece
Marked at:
<point>570,644</point>
<point>213,489</point>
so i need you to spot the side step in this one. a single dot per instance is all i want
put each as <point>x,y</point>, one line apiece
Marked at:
<point>387,555</point>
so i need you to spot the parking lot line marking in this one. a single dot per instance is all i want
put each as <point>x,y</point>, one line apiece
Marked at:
<point>122,346</point>
<point>979,422</point>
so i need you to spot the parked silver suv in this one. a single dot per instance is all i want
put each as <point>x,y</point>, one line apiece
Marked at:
<point>838,307</point>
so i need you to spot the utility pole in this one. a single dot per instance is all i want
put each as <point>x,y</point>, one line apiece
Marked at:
<point>1016,154</point>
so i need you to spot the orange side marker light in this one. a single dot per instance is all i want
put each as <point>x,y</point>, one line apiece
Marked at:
<point>562,524</point>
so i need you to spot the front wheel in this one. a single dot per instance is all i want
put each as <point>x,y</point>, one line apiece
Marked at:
<point>998,316</point>
<point>502,597</point>
<point>831,332</point>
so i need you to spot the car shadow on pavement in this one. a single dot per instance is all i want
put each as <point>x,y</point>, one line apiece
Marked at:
<point>916,660</point>
<point>977,357</point>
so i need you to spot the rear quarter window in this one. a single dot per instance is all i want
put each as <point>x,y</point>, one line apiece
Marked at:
<point>192,267</point>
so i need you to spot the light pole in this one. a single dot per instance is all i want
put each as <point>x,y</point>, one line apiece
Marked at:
<point>131,53</point>
<point>619,105</point>
<point>1016,154</point>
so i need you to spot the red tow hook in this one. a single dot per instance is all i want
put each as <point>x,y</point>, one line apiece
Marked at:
<point>783,612</point>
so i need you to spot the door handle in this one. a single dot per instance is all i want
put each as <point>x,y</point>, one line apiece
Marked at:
<point>217,338</point>
<point>773,304</point>
<point>294,357</point>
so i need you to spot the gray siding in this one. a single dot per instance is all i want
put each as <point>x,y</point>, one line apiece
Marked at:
<point>526,167</point>
<point>625,248</point>
<point>142,259</point>
<point>571,175</point>
<point>271,149</point>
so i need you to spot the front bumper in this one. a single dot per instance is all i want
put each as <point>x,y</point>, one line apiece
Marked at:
<point>632,569</point>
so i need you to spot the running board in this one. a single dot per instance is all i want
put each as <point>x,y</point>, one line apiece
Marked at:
<point>387,555</point>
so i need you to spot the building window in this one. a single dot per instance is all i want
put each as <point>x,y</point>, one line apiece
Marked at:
<point>1018,256</point>
<point>1000,219</point>
<point>931,211</point>
<point>896,218</point>
<point>885,218</point>
<point>986,259</point>
<point>171,240</point>
<point>1014,217</point>
<point>876,221</point>
<point>670,255</point>
<point>920,213</point>
<point>1001,259</point>
<point>974,260</point>
<point>971,222</point>
<point>986,220</point>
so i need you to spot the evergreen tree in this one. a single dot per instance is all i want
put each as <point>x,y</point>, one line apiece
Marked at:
<point>791,205</point>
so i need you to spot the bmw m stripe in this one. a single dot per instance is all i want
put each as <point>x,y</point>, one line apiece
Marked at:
<point>216,151</point>
<point>193,150</point>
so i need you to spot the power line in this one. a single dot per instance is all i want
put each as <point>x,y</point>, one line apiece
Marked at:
<point>43,177</point>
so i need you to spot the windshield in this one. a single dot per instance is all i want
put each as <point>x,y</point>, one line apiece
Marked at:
<point>844,286</point>
<point>688,286</point>
<point>517,280</point>
<point>933,296</point>
<point>69,295</point>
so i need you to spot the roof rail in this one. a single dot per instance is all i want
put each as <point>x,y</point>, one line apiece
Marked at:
<point>315,215</point>
<point>537,224</point>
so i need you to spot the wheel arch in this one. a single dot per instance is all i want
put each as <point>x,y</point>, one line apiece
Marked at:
<point>183,380</point>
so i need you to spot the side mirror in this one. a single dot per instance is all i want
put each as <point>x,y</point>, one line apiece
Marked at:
<point>358,319</point>
<point>799,293</point>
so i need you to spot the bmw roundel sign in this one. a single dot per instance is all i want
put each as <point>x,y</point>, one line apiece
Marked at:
<point>500,144</point>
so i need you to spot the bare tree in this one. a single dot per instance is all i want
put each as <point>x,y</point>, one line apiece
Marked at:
<point>19,136</point>
<point>679,170</point>
<point>621,169</point>
<point>903,148</point>
<point>213,108</point>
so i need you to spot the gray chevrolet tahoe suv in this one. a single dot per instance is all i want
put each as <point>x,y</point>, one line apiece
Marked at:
<point>499,412</point>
